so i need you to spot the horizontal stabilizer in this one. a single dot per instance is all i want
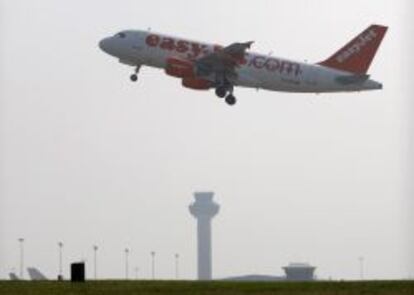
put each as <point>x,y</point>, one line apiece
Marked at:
<point>351,79</point>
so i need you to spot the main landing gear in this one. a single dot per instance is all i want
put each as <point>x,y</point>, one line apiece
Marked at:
<point>231,99</point>
<point>221,91</point>
<point>134,77</point>
<point>227,93</point>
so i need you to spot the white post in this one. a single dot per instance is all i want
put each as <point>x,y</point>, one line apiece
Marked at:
<point>60,245</point>
<point>21,242</point>
<point>95,250</point>
<point>126,263</point>
<point>153,264</point>
<point>177,257</point>
<point>361,268</point>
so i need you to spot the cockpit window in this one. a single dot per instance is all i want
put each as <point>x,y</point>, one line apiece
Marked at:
<point>121,35</point>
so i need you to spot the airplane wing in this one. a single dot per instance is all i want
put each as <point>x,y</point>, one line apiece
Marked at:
<point>223,61</point>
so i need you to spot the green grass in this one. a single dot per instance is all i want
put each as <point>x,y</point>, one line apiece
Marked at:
<point>206,288</point>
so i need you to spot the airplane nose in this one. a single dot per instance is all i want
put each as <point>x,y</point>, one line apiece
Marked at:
<point>108,45</point>
<point>103,45</point>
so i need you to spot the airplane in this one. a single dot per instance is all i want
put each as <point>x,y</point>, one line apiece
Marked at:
<point>203,66</point>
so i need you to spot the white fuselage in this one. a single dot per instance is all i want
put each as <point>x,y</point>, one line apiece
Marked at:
<point>137,48</point>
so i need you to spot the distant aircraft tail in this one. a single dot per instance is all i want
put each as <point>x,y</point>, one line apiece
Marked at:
<point>357,55</point>
<point>13,276</point>
<point>35,274</point>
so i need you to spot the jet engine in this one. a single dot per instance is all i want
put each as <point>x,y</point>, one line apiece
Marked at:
<point>179,68</point>
<point>198,84</point>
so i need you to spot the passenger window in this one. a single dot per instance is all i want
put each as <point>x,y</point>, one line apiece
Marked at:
<point>121,35</point>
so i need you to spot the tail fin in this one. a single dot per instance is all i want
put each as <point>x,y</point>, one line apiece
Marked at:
<point>35,274</point>
<point>357,55</point>
<point>13,276</point>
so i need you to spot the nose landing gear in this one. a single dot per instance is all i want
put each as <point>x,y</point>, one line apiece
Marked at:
<point>134,77</point>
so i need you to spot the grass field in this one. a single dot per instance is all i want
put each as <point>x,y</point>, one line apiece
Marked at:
<point>226,288</point>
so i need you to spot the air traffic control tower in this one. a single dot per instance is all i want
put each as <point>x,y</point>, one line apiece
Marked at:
<point>204,209</point>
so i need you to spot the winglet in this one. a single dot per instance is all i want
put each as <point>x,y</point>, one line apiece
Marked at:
<point>237,50</point>
<point>356,56</point>
<point>249,44</point>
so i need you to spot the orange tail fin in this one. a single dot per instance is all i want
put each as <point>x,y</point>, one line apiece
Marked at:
<point>357,55</point>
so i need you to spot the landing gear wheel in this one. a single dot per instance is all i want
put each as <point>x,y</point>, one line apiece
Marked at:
<point>134,78</point>
<point>230,99</point>
<point>221,92</point>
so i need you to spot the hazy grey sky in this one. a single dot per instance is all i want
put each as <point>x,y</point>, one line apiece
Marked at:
<point>87,157</point>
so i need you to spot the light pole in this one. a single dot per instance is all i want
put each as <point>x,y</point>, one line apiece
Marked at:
<point>21,241</point>
<point>136,272</point>
<point>177,257</point>
<point>126,263</point>
<point>153,264</point>
<point>95,250</point>
<point>361,267</point>
<point>60,245</point>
